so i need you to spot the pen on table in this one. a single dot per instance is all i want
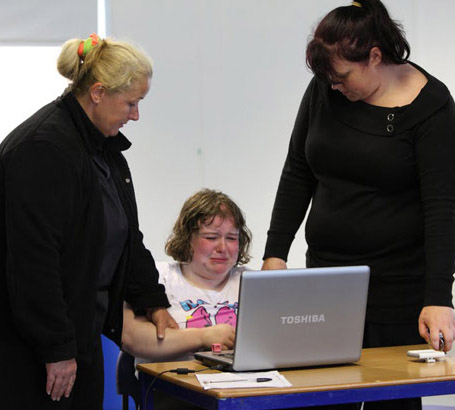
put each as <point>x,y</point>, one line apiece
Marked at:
<point>258,380</point>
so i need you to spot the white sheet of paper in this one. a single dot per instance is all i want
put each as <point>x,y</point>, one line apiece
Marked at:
<point>228,380</point>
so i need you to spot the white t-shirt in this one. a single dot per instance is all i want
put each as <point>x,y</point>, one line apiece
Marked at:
<point>194,307</point>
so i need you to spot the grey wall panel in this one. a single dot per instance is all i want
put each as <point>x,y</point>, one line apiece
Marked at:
<point>46,22</point>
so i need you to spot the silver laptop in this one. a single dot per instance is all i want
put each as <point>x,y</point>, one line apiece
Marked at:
<point>296,318</point>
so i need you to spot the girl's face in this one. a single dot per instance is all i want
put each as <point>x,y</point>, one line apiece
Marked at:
<point>215,248</point>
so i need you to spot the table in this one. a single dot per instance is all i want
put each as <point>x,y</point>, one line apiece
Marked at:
<point>380,374</point>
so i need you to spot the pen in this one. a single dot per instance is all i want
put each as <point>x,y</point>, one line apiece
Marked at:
<point>258,380</point>
<point>441,342</point>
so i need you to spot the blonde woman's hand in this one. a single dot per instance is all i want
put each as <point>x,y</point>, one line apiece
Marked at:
<point>61,377</point>
<point>161,318</point>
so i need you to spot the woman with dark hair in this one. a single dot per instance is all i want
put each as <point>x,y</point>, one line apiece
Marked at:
<point>373,151</point>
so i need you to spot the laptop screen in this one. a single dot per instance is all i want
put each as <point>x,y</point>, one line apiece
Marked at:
<point>300,317</point>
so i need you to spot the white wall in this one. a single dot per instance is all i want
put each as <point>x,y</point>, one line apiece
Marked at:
<point>28,80</point>
<point>229,76</point>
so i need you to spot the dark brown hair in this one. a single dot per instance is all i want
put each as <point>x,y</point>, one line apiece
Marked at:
<point>350,32</point>
<point>202,208</point>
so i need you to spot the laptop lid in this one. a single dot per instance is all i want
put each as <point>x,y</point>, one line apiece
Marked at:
<point>300,317</point>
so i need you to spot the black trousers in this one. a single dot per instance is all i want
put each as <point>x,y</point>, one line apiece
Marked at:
<point>25,388</point>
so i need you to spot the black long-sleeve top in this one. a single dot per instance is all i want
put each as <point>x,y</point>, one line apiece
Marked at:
<point>52,237</point>
<point>381,182</point>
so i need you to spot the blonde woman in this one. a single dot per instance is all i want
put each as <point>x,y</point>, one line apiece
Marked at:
<point>71,249</point>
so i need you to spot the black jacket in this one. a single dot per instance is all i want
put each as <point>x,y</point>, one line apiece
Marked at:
<point>52,233</point>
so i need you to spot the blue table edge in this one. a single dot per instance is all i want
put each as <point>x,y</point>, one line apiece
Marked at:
<point>290,400</point>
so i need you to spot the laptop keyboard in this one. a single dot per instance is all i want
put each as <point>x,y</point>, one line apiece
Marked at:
<point>227,355</point>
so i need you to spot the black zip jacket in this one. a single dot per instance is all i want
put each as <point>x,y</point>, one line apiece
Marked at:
<point>52,236</point>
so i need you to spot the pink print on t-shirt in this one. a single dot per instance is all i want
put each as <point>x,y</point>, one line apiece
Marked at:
<point>200,317</point>
<point>226,315</point>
